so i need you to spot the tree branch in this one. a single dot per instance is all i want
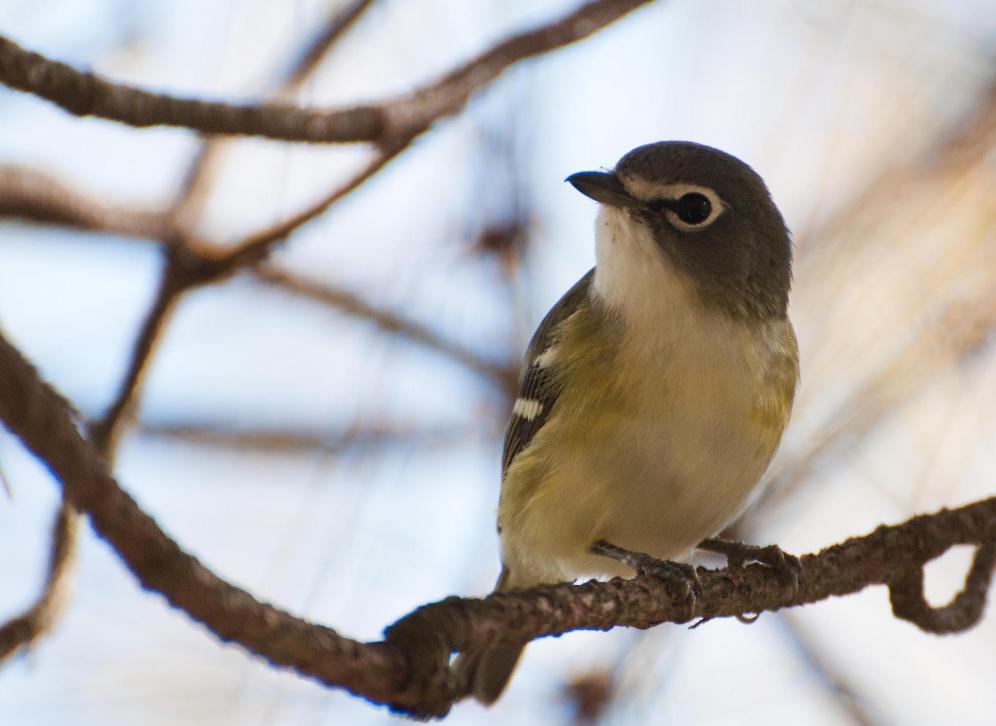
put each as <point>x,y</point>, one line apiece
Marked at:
<point>256,440</point>
<point>409,669</point>
<point>59,204</point>
<point>258,246</point>
<point>36,196</point>
<point>504,376</point>
<point>334,29</point>
<point>190,197</point>
<point>87,94</point>
<point>41,615</point>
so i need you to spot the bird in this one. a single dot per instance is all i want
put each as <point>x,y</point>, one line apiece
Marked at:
<point>655,392</point>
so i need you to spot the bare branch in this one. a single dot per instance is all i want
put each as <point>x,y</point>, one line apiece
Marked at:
<point>38,619</point>
<point>63,204</point>
<point>351,304</point>
<point>336,27</point>
<point>409,669</point>
<point>964,611</point>
<point>257,247</point>
<point>39,416</point>
<point>276,440</point>
<point>835,682</point>
<point>189,199</point>
<point>22,630</point>
<point>87,94</point>
<point>947,333</point>
<point>35,196</point>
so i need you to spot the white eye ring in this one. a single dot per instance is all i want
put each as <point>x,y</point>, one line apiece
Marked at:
<point>675,192</point>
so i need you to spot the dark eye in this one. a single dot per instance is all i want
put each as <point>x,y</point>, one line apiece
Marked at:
<point>693,208</point>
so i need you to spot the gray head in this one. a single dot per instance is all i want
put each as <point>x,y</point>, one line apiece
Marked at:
<point>712,218</point>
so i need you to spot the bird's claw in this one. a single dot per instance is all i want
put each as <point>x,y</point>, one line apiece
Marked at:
<point>682,579</point>
<point>739,554</point>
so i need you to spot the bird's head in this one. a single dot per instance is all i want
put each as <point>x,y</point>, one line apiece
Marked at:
<point>706,215</point>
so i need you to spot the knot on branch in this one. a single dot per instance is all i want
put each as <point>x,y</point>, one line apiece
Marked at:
<point>425,639</point>
<point>964,610</point>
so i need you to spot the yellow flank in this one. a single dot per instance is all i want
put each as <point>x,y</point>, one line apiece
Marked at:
<point>773,405</point>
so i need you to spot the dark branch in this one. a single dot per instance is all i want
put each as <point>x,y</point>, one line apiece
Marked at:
<point>409,669</point>
<point>87,94</point>
<point>964,611</point>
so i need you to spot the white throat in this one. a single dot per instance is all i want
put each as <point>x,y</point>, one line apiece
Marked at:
<point>632,276</point>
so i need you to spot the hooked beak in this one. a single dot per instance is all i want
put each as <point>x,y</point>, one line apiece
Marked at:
<point>603,187</point>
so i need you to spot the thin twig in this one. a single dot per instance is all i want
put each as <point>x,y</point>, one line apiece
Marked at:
<point>326,39</point>
<point>207,268</point>
<point>257,247</point>
<point>282,441</point>
<point>39,618</point>
<point>947,333</point>
<point>351,304</point>
<point>87,94</point>
<point>36,196</point>
<point>187,205</point>
<point>948,339</point>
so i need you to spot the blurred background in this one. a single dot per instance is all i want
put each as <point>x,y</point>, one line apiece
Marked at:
<point>326,431</point>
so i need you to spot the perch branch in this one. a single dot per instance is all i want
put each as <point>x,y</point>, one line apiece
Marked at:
<point>409,669</point>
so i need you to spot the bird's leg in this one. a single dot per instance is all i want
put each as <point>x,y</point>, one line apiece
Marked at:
<point>682,578</point>
<point>739,554</point>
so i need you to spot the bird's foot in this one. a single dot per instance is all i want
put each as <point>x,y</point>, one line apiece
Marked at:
<point>738,554</point>
<point>682,579</point>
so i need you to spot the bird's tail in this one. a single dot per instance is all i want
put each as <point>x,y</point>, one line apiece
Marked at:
<point>484,673</point>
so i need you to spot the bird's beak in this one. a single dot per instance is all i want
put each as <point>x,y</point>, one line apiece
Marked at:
<point>603,187</point>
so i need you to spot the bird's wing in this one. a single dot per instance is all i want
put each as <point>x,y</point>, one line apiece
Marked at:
<point>539,387</point>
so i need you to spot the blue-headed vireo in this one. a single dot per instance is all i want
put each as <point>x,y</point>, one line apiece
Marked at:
<point>656,390</point>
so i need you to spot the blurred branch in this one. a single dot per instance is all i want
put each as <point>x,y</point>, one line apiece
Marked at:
<point>322,43</point>
<point>87,94</point>
<point>277,441</point>
<point>194,188</point>
<point>37,619</point>
<point>829,676</point>
<point>350,304</point>
<point>409,669</point>
<point>256,247</point>
<point>35,196</point>
<point>64,205</point>
<point>965,146</point>
<point>38,197</point>
<point>943,334</point>
<point>811,653</point>
<point>954,334</point>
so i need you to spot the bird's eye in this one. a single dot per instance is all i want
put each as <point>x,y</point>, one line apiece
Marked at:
<point>693,208</point>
